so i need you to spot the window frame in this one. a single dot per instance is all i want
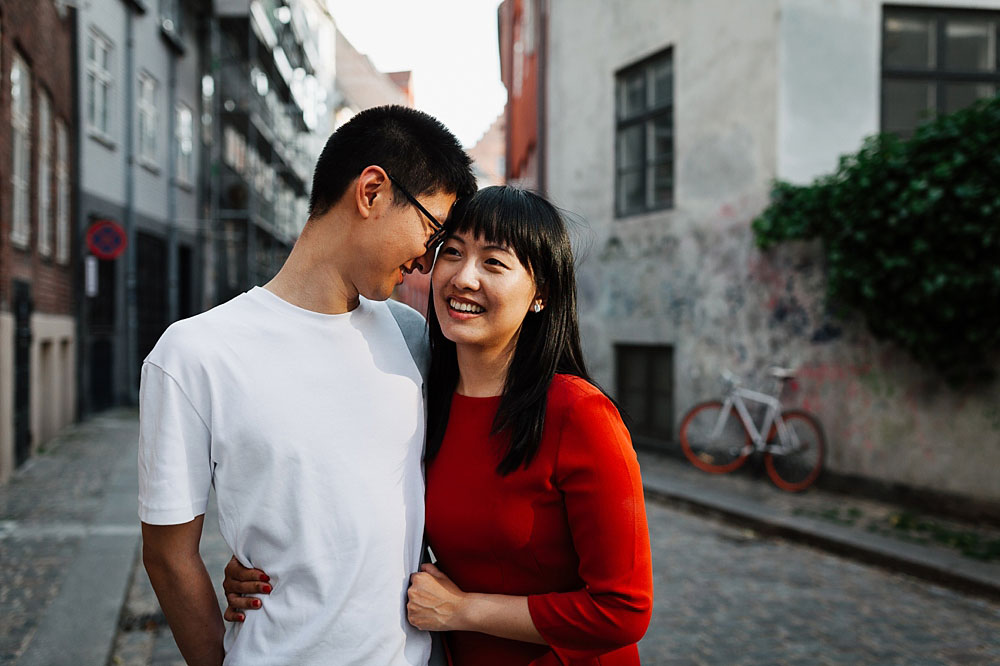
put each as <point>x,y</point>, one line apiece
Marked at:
<point>646,118</point>
<point>20,121</point>
<point>62,193</point>
<point>99,77</point>
<point>185,158</point>
<point>147,120</point>
<point>44,176</point>
<point>938,74</point>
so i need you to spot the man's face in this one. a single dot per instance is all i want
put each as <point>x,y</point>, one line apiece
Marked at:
<point>399,236</point>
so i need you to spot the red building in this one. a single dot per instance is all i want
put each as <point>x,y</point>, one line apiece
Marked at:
<point>523,29</point>
<point>37,326</point>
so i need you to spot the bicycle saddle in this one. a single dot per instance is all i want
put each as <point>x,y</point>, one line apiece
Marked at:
<point>782,373</point>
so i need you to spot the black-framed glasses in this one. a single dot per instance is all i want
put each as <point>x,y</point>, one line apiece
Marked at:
<point>439,230</point>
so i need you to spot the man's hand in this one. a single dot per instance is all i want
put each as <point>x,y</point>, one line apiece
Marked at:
<point>435,602</point>
<point>239,582</point>
<point>184,590</point>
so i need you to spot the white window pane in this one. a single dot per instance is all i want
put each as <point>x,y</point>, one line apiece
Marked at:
<point>960,95</point>
<point>970,45</point>
<point>661,184</point>
<point>630,147</point>
<point>906,104</point>
<point>632,95</point>
<point>91,100</point>
<point>909,42</point>
<point>630,191</point>
<point>660,137</point>
<point>662,83</point>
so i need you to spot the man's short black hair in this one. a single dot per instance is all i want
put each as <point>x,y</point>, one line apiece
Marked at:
<point>419,152</point>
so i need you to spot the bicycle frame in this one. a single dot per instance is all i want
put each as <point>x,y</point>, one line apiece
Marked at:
<point>772,416</point>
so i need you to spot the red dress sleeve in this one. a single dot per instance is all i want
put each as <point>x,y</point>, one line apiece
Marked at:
<point>598,475</point>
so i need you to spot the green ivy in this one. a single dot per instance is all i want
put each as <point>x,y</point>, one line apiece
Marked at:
<point>911,233</point>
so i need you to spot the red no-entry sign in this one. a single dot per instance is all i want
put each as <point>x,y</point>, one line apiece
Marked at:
<point>106,239</point>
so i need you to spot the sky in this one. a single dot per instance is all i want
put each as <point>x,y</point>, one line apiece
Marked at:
<point>451,47</point>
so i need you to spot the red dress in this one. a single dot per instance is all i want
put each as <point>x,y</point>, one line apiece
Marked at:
<point>569,532</point>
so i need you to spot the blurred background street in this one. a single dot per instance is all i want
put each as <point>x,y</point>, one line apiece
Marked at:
<point>749,183</point>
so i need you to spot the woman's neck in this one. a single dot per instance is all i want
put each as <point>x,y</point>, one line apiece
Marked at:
<point>482,372</point>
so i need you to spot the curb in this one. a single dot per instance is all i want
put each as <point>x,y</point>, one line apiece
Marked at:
<point>934,565</point>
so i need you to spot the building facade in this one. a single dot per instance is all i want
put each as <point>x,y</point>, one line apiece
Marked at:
<point>522,39</point>
<point>38,338</point>
<point>139,91</point>
<point>264,96</point>
<point>666,140</point>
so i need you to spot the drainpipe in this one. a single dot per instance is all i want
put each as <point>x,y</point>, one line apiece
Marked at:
<point>173,279</point>
<point>542,60</point>
<point>131,390</point>
<point>218,236</point>
<point>78,249</point>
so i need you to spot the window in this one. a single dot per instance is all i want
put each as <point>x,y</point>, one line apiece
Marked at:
<point>936,61</point>
<point>645,382</point>
<point>44,164</point>
<point>99,82</point>
<point>644,136</point>
<point>20,120</point>
<point>146,106</point>
<point>62,193</point>
<point>185,145</point>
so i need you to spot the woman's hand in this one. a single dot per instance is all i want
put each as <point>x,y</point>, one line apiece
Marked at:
<point>435,602</point>
<point>239,582</point>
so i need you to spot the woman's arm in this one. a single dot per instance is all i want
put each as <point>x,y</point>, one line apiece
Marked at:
<point>437,604</point>
<point>598,475</point>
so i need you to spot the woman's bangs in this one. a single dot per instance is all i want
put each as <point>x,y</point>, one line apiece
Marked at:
<point>505,216</point>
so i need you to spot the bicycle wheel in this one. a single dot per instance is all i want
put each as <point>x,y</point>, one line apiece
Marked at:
<point>797,468</point>
<point>718,454</point>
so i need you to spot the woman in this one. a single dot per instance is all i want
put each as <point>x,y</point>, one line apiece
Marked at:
<point>534,504</point>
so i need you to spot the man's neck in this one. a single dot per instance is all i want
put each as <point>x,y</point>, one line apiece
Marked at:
<point>311,277</point>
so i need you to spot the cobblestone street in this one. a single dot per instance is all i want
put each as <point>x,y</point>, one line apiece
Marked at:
<point>724,595</point>
<point>727,596</point>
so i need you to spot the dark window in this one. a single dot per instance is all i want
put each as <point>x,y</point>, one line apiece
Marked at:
<point>644,135</point>
<point>646,391</point>
<point>936,61</point>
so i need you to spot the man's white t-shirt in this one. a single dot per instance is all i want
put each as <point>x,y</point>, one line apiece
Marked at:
<point>311,428</point>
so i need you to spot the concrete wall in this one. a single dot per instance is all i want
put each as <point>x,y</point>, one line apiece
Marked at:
<point>762,89</point>
<point>53,382</point>
<point>53,373</point>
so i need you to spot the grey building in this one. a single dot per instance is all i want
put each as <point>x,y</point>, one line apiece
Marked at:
<point>263,98</point>
<point>667,138</point>
<point>139,91</point>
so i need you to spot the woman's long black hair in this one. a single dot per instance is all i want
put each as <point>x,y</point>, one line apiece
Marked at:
<point>549,341</point>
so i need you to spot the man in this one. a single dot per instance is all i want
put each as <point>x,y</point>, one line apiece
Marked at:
<point>302,405</point>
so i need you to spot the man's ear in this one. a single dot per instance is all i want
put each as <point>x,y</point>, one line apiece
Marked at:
<point>371,184</point>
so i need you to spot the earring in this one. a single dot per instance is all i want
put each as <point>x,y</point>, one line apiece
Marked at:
<point>537,307</point>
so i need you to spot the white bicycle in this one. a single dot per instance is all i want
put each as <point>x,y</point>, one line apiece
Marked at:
<point>718,436</point>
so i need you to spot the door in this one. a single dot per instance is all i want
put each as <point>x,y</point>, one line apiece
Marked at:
<point>22,371</point>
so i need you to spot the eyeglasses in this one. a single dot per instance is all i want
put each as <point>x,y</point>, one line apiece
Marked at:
<point>439,230</point>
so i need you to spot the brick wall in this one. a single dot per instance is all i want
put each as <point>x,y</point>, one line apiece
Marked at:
<point>34,29</point>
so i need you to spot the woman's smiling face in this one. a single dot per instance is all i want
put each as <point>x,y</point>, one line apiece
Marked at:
<point>482,292</point>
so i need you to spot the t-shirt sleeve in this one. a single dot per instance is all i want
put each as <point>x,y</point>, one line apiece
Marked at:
<point>598,474</point>
<point>175,468</point>
<point>414,328</point>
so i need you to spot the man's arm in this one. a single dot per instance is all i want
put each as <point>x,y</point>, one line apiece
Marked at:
<point>184,589</point>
